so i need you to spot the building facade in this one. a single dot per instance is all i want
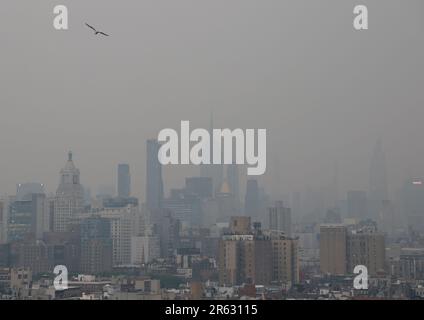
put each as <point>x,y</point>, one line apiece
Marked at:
<point>69,200</point>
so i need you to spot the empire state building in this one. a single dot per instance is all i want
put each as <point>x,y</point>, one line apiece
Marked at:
<point>69,200</point>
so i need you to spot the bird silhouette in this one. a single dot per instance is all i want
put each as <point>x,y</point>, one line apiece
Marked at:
<point>96,32</point>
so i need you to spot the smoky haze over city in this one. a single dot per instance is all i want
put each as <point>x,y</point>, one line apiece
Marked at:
<point>80,114</point>
<point>325,93</point>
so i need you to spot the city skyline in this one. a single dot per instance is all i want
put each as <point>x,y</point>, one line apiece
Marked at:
<point>211,150</point>
<point>330,190</point>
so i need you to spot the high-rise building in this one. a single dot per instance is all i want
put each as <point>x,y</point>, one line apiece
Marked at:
<point>144,249</point>
<point>213,171</point>
<point>413,203</point>
<point>367,249</point>
<point>64,248</point>
<point>185,207</point>
<point>378,191</point>
<point>69,199</point>
<point>285,258</point>
<point>121,223</point>
<point>226,203</point>
<point>342,249</point>
<point>263,261</point>
<point>154,183</point>
<point>124,181</point>
<point>3,220</point>
<point>199,186</point>
<point>21,222</point>
<point>357,205</point>
<point>210,211</point>
<point>237,260</point>
<point>96,245</point>
<point>28,215</point>
<point>169,232</point>
<point>247,257</point>
<point>251,203</point>
<point>387,217</point>
<point>333,251</point>
<point>280,218</point>
<point>233,182</point>
<point>31,254</point>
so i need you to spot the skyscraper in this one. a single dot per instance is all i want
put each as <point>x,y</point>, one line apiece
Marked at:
<point>145,249</point>
<point>96,245</point>
<point>233,182</point>
<point>184,207</point>
<point>368,249</point>
<point>280,218</point>
<point>342,249</point>
<point>413,203</point>
<point>378,191</point>
<point>124,181</point>
<point>256,258</point>
<point>213,171</point>
<point>226,203</point>
<point>333,249</point>
<point>121,222</point>
<point>199,186</point>
<point>28,216</point>
<point>251,203</point>
<point>285,256</point>
<point>154,183</point>
<point>3,220</point>
<point>69,200</point>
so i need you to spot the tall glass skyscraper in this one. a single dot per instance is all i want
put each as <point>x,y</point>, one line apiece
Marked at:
<point>124,181</point>
<point>378,192</point>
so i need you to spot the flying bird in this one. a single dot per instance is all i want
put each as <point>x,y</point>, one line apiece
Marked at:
<point>95,31</point>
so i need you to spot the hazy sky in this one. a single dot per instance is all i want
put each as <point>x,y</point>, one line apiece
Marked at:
<point>325,92</point>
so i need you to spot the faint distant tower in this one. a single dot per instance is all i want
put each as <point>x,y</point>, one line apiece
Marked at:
<point>69,200</point>
<point>213,171</point>
<point>154,183</point>
<point>251,203</point>
<point>233,183</point>
<point>335,194</point>
<point>412,201</point>
<point>378,192</point>
<point>357,205</point>
<point>124,181</point>
<point>226,203</point>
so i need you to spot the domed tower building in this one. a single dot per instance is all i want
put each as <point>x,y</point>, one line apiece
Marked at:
<point>69,200</point>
